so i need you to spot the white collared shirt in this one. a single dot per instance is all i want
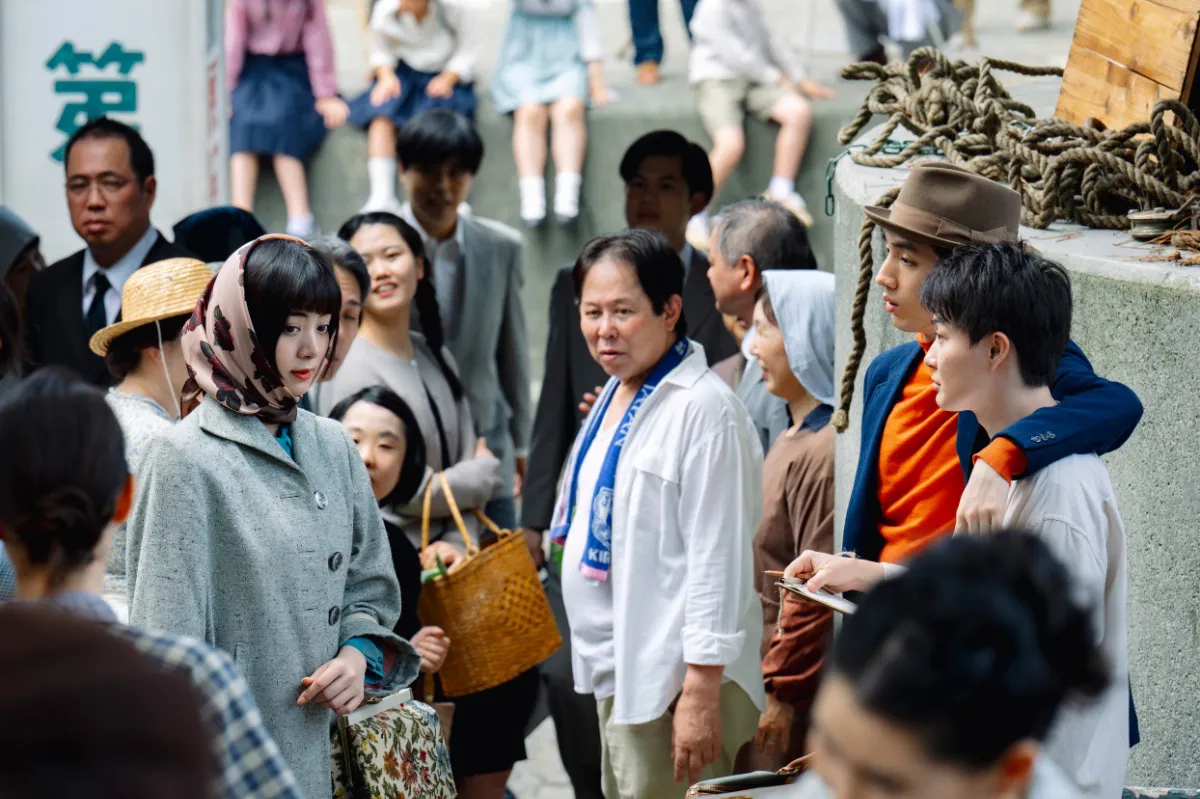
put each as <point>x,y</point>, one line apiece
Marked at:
<point>442,42</point>
<point>682,574</point>
<point>449,262</point>
<point>117,274</point>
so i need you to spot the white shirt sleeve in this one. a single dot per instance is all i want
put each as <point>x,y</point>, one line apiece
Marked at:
<point>720,498</point>
<point>466,50</point>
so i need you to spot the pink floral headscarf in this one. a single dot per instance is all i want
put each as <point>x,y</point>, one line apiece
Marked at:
<point>224,359</point>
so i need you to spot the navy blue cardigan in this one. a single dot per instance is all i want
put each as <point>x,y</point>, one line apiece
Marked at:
<point>1093,415</point>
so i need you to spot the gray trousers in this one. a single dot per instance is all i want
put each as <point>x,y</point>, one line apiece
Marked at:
<point>575,720</point>
<point>866,25</point>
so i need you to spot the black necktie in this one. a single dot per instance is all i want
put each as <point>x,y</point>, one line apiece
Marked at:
<point>97,316</point>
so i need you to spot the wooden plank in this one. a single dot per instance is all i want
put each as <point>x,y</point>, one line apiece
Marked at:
<point>1095,87</point>
<point>1148,38</point>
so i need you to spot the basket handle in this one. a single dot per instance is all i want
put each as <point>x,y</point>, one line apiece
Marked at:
<point>426,514</point>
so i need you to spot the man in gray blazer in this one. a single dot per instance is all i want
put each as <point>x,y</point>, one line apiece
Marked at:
<point>749,237</point>
<point>477,273</point>
<point>667,180</point>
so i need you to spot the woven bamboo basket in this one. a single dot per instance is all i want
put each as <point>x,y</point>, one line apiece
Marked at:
<point>492,607</point>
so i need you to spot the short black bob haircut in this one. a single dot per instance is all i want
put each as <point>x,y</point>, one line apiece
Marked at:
<point>284,277</point>
<point>62,471</point>
<point>125,351</point>
<point>697,172</point>
<point>412,469</point>
<point>343,256</point>
<point>439,137</point>
<point>1005,288</point>
<point>974,648</point>
<point>657,267</point>
<point>141,159</point>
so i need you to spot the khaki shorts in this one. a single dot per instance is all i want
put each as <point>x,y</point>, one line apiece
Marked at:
<point>724,103</point>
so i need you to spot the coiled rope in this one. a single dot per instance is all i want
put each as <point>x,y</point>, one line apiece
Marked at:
<point>1061,170</point>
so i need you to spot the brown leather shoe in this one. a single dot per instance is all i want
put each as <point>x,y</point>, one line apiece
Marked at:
<point>647,73</point>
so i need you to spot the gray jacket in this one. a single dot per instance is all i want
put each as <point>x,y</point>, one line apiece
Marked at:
<point>277,562</point>
<point>492,349</point>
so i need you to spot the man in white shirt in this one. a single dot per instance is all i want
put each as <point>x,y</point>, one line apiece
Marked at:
<point>110,190</point>
<point>1002,317</point>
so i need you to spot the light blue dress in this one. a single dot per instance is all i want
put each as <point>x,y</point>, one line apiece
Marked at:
<point>546,49</point>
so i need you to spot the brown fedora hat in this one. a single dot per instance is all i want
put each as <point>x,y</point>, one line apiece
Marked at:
<point>945,205</point>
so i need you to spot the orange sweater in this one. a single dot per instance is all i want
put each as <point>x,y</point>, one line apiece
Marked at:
<point>920,480</point>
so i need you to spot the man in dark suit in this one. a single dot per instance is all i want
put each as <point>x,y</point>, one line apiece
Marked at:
<point>110,190</point>
<point>667,180</point>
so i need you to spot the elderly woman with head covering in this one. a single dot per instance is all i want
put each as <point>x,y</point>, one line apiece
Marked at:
<point>255,527</point>
<point>793,342</point>
<point>143,351</point>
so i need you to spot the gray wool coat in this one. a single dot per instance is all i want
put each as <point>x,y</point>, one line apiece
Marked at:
<point>277,562</point>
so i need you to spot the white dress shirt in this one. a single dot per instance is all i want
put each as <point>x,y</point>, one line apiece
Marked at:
<point>442,42</point>
<point>688,498</point>
<point>117,274</point>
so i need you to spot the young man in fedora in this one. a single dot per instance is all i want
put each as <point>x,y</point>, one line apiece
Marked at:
<point>911,486</point>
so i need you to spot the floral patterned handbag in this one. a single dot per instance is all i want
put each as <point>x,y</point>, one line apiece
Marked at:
<point>392,747</point>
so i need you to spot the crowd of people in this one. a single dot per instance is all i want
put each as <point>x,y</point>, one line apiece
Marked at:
<point>222,450</point>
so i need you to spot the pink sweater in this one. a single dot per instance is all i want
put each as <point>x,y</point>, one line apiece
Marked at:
<point>280,27</point>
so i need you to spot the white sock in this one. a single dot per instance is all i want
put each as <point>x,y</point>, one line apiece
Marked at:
<point>566,194</point>
<point>781,187</point>
<point>533,198</point>
<point>301,226</point>
<point>381,172</point>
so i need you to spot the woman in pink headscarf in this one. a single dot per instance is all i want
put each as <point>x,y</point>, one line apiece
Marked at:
<point>255,527</point>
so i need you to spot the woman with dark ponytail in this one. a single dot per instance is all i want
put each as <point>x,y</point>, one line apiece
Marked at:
<point>65,488</point>
<point>489,727</point>
<point>948,680</point>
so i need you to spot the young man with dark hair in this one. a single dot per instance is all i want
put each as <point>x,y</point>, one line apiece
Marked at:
<point>667,179</point>
<point>477,273</point>
<point>1001,318</point>
<point>911,485</point>
<point>110,191</point>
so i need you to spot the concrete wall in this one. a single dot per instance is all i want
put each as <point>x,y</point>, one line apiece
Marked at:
<point>1138,323</point>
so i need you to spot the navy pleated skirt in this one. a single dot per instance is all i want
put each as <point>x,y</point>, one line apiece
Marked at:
<point>412,100</point>
<point>274,110</point>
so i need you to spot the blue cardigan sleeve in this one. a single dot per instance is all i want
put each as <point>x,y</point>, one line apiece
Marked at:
<point>1094,415</point>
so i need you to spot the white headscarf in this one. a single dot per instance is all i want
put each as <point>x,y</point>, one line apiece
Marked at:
<point>803,301</point>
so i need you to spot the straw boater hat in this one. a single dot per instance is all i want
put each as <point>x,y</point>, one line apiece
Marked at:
<point>946,206</point>
<point>155,292</point>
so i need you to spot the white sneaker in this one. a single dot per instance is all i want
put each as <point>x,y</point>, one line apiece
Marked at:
<point>1028,21</point>
<point>795,203</point>
<point>566,206</point>
<point>698,232</point>
<point>533,208</point>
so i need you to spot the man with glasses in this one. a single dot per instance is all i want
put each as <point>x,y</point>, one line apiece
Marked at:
<point>110,190</point>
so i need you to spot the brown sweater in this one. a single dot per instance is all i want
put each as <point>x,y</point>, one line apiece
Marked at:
<point>797,515</point>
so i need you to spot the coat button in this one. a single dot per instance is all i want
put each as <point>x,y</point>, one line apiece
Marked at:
<point>335,561</point>
<point>335,613</point>
<point>321,501</point>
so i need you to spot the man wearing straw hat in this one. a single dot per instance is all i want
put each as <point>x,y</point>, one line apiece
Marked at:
<point>143,352</point>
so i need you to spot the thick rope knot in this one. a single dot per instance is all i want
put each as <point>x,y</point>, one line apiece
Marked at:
<point>1061,170</point>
